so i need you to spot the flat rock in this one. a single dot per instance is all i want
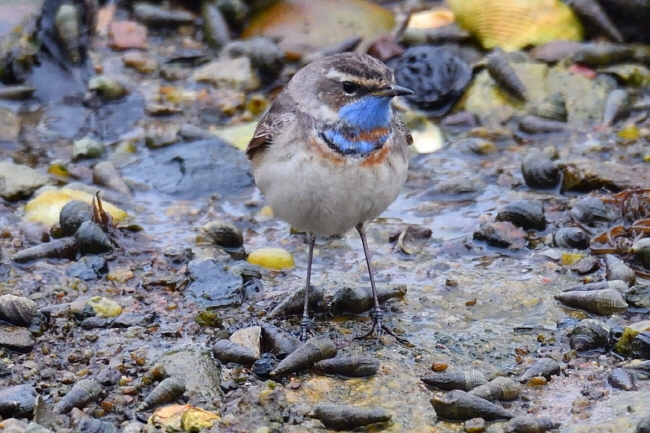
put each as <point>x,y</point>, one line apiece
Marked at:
<point>588,175</point>
<point>17,401</point>
<point>196,368</point>
<point>236,73</point>
<point>213,285</point>
<point>501,234</point>
<point>19,181</point>
<point>16,338</point>
<point>193,170</point>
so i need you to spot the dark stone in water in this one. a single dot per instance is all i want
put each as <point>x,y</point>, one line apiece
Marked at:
<point>194,170</point>
<point>88,268</point>
<point>213,285</point>
<point>263,367</point>
<point>17,401</point>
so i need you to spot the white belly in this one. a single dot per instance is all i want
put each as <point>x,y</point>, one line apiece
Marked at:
<point>328,198</point>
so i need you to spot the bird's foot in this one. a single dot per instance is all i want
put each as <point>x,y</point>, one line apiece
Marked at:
<point>305,328</point>
<point>377,325</point>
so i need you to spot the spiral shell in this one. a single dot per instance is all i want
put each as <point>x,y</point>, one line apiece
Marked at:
<point>538,125</point>
<point>295,303</point>
<point>91,239</point>
<point>458,405</point>
<point>571,237</point>
<point>553,107</point>
<point>601,302</point>
<point>499,388</point>
<point>545,367</point>
<point>590,211</point>
<point>72,215</point>
<point>513,24</point>
<point>166,391</point>
<point>66,22</point>
<point>617,107</point>
<point>504,74</point>
<point>527,214</point>
<point>356,300</point>
<point>344,417</point>
<point>450,380</point>
<point>589,334</point>
<point>530,424</point>
<point>314,350</point>
<point>591,12</point>
<point>278,342</point>
<point>350,366</point>
<point>227,351</point>
<point>540,171</point>
<point>222,234</point>
<point>82,393</point>
<point>617,270</point>
<point>17,310</point>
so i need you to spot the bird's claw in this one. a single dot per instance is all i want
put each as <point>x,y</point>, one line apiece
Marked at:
<point>305,328</point>
<point>378,328</point>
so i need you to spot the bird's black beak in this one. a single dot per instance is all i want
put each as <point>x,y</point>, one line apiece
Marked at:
<point>393,91</point>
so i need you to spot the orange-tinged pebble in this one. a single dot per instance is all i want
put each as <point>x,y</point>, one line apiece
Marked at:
<point>439,366</point>
<point>271,258</point>
<point>537,381</point>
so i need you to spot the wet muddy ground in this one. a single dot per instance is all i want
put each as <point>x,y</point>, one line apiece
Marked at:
<point>468,305</point>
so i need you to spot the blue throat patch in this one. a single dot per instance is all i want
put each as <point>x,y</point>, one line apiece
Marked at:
<point>357,121</point>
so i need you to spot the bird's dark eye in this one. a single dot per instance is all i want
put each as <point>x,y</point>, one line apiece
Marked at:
<point>349,87</point>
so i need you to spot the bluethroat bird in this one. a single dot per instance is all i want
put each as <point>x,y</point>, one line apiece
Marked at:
<point>330,154</point>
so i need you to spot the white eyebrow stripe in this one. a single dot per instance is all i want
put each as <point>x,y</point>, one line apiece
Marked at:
<point>338,75</point>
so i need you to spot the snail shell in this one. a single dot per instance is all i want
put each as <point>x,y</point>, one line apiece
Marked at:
<point>589,334</point>
<point>505,76</point>
<point>450,380</point>
<point>222,234</point>
<point>540,171</point>
<point>350,366</point>
<point>553,107</point>
<point>72,215</point>
<point>345,417</point>
<point>616,269</point>
<point>356,300</point>
<point>91,239</point>
<point>499,388</point>
<point>617,107</point>
<point>571,237</point>
<point>601,302</point>
<point>278,342</point>
<point>82,393</point>
<point>314,350</point>
<point>295,303</point>
<point>66,22</point>
<point>527,214</point>
<point>545,367</point>
<point>226,351</point>
<point>458,405</point>
<point>538,125</point>
<point>590,12</point>
<point>530,424</point>
<point>166,391</point>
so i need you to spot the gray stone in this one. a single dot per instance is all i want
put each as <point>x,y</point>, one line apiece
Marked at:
<point>196,368</point>
<point>19,181</point>
<point>213,285</point>
<point>234,73</point>
<point>193,170</point>
<point>17,401</point>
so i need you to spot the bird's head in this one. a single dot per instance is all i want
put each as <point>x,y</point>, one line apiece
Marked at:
<point>351,88</point>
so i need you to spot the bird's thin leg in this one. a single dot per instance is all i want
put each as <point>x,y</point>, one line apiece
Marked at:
<point>376,314</point>
<point>306,322</point>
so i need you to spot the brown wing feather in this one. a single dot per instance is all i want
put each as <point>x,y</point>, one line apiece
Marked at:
<point>275,120</point>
